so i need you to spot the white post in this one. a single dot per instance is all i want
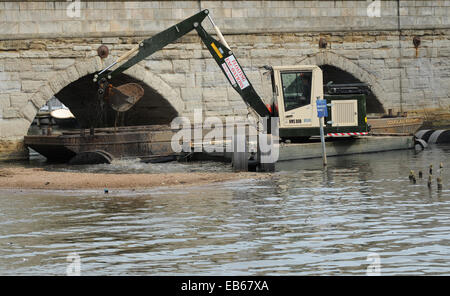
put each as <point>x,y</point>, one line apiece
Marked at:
<point>322,139</point>
<point>322,113</point>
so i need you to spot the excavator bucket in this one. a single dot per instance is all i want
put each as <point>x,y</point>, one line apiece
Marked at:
<point>123,97</point>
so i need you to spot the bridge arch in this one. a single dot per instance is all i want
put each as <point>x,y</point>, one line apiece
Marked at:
<point>329,58</point>
<point>85,68</point>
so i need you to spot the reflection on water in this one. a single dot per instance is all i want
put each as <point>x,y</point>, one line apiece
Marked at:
<point>302,221</point>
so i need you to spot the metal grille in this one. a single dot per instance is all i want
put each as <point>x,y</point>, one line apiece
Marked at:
<point>344,113</point>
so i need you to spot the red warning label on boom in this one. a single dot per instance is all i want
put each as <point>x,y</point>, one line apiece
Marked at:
<point>237,72</point>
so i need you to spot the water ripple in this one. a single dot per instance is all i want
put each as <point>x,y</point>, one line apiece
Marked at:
<point>302,221</point>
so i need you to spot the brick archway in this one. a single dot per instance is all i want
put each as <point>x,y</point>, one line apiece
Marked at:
<point>82,68</point>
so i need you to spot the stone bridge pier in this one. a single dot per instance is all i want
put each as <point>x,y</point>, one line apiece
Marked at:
<point>401,48</point>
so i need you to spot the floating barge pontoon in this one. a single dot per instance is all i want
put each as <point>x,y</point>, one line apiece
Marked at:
<point>149,143</point>
<point>356,145</point>
<point>153,144</point>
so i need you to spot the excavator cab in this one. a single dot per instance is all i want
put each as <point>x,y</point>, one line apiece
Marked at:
<point>295,92</point>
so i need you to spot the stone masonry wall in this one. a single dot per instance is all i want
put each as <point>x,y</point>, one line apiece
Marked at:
<point>43,48</point>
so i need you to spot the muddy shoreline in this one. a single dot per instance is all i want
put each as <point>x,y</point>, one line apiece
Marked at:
<point>38,178</point>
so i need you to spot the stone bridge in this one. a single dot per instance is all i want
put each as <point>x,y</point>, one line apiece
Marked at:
<point>50,49</point>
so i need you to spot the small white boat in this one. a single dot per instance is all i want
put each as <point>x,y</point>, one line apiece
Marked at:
<point>62,113</point>
<point>63,117</point>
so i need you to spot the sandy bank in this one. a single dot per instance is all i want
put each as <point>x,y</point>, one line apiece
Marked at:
<point>37,178</point>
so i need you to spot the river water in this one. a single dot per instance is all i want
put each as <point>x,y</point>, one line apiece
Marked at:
<point>361,213</point>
